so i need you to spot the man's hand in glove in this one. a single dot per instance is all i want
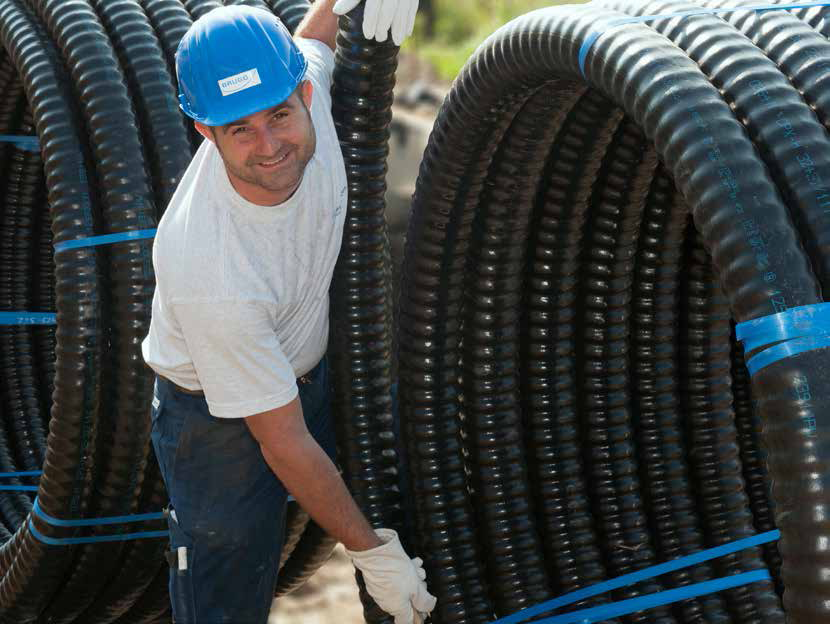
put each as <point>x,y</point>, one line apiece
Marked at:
<point>396,582</point>
<point>381,15</point>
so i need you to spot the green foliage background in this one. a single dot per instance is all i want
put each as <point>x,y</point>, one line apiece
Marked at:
<point>461,25</point>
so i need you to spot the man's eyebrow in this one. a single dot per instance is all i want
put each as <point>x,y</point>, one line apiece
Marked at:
<point>244,120</point>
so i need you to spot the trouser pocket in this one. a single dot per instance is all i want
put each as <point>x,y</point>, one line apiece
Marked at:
<point>180,558</point>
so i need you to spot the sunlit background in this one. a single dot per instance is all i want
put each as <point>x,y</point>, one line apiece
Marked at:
<point>448,31</point>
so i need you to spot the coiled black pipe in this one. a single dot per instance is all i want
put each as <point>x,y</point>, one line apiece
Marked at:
<point>709,41</point>
<point>360,344</point>
<point>78,293</point>
<point>557,480</point>
<point>290,12</point>
<point>753,461</point>
<point>540,298</point>
<point>95,82</point>
<point>198,8</point>
<point>666,473</point>
<point>126,202</point>
<point>514,566</point>
<point>625,340</point>
<point>152,88</point>
<point>710,427</point>
<point>611,229</point>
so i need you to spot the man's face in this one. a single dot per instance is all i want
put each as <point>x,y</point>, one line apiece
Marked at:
<point>266,153</point>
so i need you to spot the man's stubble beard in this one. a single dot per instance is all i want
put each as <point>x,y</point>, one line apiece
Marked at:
<point>276,182</point>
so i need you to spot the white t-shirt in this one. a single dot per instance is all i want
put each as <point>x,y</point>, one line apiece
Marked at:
<point>241,303</point>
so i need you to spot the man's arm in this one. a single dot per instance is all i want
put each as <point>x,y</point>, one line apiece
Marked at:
<point>319,23</point>
<point>310,476</point>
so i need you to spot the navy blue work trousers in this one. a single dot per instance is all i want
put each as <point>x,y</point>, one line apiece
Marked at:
<point>227,508</point>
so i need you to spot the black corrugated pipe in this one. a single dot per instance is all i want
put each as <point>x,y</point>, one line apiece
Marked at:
<point>121,175</point>
<point>360,344</point>
<point>555,462</point>
<point>94,81</point>
<point>31,571</point>
<point>625,358</point>
<point>667,476</point>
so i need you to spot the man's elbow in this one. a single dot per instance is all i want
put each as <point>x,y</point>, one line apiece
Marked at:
<point>279,432</point>
<point>273,454</point>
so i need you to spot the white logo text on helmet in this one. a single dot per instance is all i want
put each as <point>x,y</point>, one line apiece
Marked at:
<point>239,82</point>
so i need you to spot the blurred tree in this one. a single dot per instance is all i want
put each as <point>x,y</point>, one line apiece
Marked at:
<point>427,9</point>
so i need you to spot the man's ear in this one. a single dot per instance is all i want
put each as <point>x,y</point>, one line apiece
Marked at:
<point>306,93</point>
<point>205,131</point>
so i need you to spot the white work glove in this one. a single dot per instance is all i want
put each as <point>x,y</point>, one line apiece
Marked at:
<point>396,582</point>
<point>381,15</point>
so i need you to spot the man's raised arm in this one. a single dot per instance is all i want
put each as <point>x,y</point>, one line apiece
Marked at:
<point>319,23</point>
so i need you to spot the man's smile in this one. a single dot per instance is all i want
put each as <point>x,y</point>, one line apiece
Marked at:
<point>274,163</point>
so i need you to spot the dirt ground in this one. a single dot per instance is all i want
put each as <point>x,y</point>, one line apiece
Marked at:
<point>330,596</point>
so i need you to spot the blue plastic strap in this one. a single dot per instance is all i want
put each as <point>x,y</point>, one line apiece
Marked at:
<point>24,141</point>
<point>641,603</point>
<point>785,334</point>
<point>106,239</point>
<point>67,541</point>
<point>20,488</point>
<point>641,575</point>
<point>786,350</point>
<point>95,521</point>
<point>28,318</point>
<point>808,320</point>
<point>591,39</point>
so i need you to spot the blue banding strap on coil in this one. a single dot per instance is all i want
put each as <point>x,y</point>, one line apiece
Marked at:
<point>95,521</point>
<point>20,488</point>
<point>641,603</point>
<point>641,575</point>
<point>23,141</point>
<point>591,39</point>
<point>28,318</point>
<point>784,335</point>
<point>68,541</point>
<point>37,511</point>
<point>50,318</point>
<point>106,239</point>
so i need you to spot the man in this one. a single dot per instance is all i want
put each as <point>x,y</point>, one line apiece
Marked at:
<point>244,256</point>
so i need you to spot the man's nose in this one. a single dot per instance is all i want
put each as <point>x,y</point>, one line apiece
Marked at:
<point>269,142</point>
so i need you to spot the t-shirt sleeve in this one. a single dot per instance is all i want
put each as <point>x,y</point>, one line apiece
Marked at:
<point>237,356</point>
<point>320,59</point>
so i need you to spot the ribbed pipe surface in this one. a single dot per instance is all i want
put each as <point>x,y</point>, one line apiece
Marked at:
<point>572,395</point>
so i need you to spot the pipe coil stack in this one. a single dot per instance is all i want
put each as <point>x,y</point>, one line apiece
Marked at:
<point>574,403</point>
<point>581,245</point>
<point>94,81</point>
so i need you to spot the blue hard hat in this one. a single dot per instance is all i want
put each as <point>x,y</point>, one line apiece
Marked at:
<point>234,61</point>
